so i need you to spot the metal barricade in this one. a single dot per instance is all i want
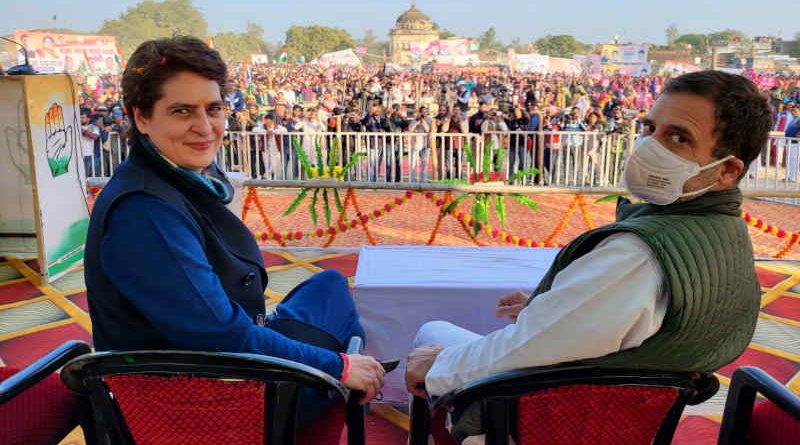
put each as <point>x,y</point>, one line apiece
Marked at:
<point>562,159</point>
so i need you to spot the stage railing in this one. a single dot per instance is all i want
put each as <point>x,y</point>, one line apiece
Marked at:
<point>571,160</point>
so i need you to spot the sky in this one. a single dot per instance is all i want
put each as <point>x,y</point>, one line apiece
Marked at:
<point>592,21</point>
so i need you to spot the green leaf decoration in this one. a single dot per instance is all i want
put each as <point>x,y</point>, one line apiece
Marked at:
<point>452,181</point>
<point>301,155</point>
<point>296,202</point>
<point>524,200</point>
<point>610,198</point>
<point>446,209</point>
<point>487,158</point>
<point>353,161</point>
<point>318,149</point>
<point>313,208</point>
<point>326,206</point>
<point>523,173</point>
<point>500,208</point>
<point>476,213</point>
<point>498,162</point>
<point>470,155</point>
<point>333,153</point>
<point>338,201</point>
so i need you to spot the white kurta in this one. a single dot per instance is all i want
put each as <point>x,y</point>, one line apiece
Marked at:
<point>606,301</point>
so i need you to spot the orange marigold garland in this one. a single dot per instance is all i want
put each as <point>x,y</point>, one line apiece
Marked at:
<point>448,197</point>
<point>584,211</point>
<point>251,192</point>
<point>563,223</point>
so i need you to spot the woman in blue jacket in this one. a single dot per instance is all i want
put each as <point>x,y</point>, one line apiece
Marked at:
<point>168,266</point>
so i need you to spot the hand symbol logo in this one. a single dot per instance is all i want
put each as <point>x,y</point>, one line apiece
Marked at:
<point>59,140</point>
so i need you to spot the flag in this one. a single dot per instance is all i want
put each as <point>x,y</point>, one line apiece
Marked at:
<point>284,57</point>
<point>89,67</point>
<point>118,57</point>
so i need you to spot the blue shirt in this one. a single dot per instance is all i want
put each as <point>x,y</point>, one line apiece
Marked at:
<point>792,128</point>
<point>153,253</point>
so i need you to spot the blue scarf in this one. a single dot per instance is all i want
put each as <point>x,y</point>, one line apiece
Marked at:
<point>211,181</point>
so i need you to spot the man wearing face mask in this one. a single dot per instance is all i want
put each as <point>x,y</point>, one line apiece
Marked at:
<point>669,286</point>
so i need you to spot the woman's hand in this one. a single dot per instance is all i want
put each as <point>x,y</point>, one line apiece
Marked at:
<point>511,305</point>
<point>366,375</point>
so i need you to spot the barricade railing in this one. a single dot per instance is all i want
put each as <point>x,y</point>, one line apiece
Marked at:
<point>576,160</point>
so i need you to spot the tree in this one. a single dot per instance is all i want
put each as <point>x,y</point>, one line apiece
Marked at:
<point>561,46</point>
<point>488,40</point>
<point>672,34</point>
<point>315,40</point>
<point>151,20</point>
<point>727,35</point>
<point>236,47</point>
<point>794,50</point>
<point>697,42</point>
<point>374,46</point>
<point>445,34</point>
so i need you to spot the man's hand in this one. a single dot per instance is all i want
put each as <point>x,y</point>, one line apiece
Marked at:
<point>366,375</point>
<point>511,305</point>
<point>420,361</point>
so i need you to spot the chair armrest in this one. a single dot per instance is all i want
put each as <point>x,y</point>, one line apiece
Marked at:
<point>355,413</point>
<point>41,368</point>
<point>746,382</point>
<point>769,388</point>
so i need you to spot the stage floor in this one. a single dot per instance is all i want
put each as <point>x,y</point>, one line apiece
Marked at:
<point>35,319</point>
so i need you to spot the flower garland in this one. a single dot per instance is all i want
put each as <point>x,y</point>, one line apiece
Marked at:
<point>466,221</point>
<point>585,211</point>
<point>252,194</point>
<point>448,197</point>
<point>335,229</point>
<point>563,223</point>
<point>758,223</point>
<point>502,235</point>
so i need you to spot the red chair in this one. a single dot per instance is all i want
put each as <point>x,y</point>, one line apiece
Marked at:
<point>190,397</point>
<point>772,421</point>
<point>35,407</point>
<point>568,406</point>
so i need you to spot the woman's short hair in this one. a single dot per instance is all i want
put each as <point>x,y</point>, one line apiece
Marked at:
<point>156,61</point>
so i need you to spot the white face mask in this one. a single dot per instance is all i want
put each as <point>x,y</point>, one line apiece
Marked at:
<point>657,175</point>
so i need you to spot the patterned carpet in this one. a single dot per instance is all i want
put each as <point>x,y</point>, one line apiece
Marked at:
<point>34,319</point>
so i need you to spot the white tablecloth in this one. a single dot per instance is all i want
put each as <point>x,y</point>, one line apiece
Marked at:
<point>398,288</point>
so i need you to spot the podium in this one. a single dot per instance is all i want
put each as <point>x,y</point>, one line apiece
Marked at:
<point>43,208</point>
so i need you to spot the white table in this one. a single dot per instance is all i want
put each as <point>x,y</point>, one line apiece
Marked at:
<point>399,288</point>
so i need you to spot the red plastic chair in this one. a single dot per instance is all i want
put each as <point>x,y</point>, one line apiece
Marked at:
<point>190,397</point>
<point>772,421</point>
<point>569,406</point>
<point>35,407</point>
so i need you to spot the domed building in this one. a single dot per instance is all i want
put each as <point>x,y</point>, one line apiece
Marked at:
<point>413,29</point>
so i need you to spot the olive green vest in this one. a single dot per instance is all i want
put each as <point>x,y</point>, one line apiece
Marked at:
<point>706,259</point>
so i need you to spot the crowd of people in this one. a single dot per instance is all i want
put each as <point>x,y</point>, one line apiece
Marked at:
<point>308,99</point>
